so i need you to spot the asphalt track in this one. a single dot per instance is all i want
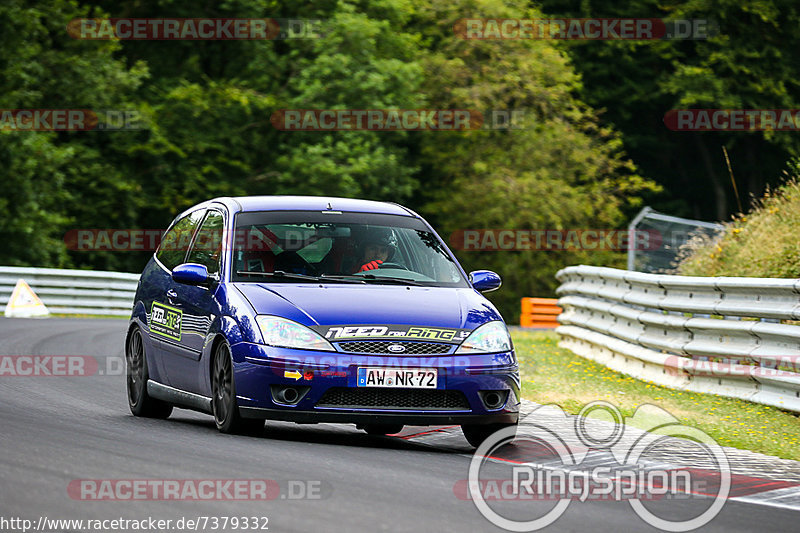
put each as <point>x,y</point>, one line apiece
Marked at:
<point>59,429</point>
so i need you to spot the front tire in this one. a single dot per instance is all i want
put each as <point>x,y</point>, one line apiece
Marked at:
<point>476,434</point>
<point>223,403</point>
<point>141,403</point>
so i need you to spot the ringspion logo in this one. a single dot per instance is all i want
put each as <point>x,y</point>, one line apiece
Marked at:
<point>571,474</point>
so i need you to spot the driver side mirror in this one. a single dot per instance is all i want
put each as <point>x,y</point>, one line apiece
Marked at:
<point>192,274</point>
<point>485,280</point>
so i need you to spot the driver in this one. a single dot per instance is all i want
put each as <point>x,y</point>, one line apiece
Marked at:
<point>378,247</point>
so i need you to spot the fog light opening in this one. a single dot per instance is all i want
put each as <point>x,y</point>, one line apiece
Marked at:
<point>494,399</point>
<point>288,395</point>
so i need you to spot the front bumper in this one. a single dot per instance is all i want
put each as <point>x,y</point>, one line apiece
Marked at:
<point>258,369</point>
<point>378,417</point>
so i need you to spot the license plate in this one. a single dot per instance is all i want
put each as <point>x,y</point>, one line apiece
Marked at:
<point>411,378</point>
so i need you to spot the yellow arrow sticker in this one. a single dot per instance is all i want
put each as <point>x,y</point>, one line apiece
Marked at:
<point>292,374</point>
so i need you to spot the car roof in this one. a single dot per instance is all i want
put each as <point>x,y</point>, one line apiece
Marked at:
<point>312,203</point>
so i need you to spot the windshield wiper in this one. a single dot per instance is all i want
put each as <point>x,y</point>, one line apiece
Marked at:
<point>291,275</point>
<point>389,279</point>
<point>343,279</point>
<point>364,278</point>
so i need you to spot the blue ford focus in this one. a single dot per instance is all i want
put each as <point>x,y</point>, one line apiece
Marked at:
<point>313,309</point>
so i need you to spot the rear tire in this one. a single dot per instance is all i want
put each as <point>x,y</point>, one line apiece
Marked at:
<point>139,401</point>
<point>383,429</point>
<point>223,401</point>
<point>476,434</point>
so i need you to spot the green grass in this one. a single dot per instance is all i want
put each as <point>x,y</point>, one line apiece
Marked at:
<point>555,375</point>
<point>761,244</point>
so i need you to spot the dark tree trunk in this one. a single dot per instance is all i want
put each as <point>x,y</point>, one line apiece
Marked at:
<point>720,199</point>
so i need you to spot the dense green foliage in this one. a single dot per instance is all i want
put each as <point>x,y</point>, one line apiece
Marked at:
<point>748,62</point>
<point>761,244</point>
<point>560,170</point>
<point>206,107</point>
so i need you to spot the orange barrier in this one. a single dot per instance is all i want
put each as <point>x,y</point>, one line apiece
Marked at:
<point>539,313</point>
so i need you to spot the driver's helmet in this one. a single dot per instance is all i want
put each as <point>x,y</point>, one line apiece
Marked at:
<point>381,238</point>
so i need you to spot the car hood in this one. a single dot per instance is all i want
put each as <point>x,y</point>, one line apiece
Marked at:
<point>312,305</point>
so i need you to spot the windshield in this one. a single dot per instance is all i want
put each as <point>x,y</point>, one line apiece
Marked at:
<point>340,247</point>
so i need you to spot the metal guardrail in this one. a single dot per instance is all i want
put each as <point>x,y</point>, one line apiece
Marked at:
<point>74,291</point>
<point>673,232</point>
<point>722,335</point>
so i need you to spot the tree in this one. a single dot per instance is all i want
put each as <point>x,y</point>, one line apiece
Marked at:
<point>748,62</point>
<point>559,170</point>
<point>44,173</point>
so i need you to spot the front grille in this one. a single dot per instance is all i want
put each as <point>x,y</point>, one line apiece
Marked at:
<point>378,398</point>
<point>382,347</point>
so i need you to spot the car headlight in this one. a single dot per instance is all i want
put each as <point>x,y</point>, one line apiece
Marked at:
<point>284,333</point>
<point>491,337</point>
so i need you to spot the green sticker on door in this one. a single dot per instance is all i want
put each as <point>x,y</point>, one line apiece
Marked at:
<point>166,321</point>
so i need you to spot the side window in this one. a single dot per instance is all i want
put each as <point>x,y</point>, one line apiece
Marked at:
<point>207,247</point>
<point>176,241</point>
